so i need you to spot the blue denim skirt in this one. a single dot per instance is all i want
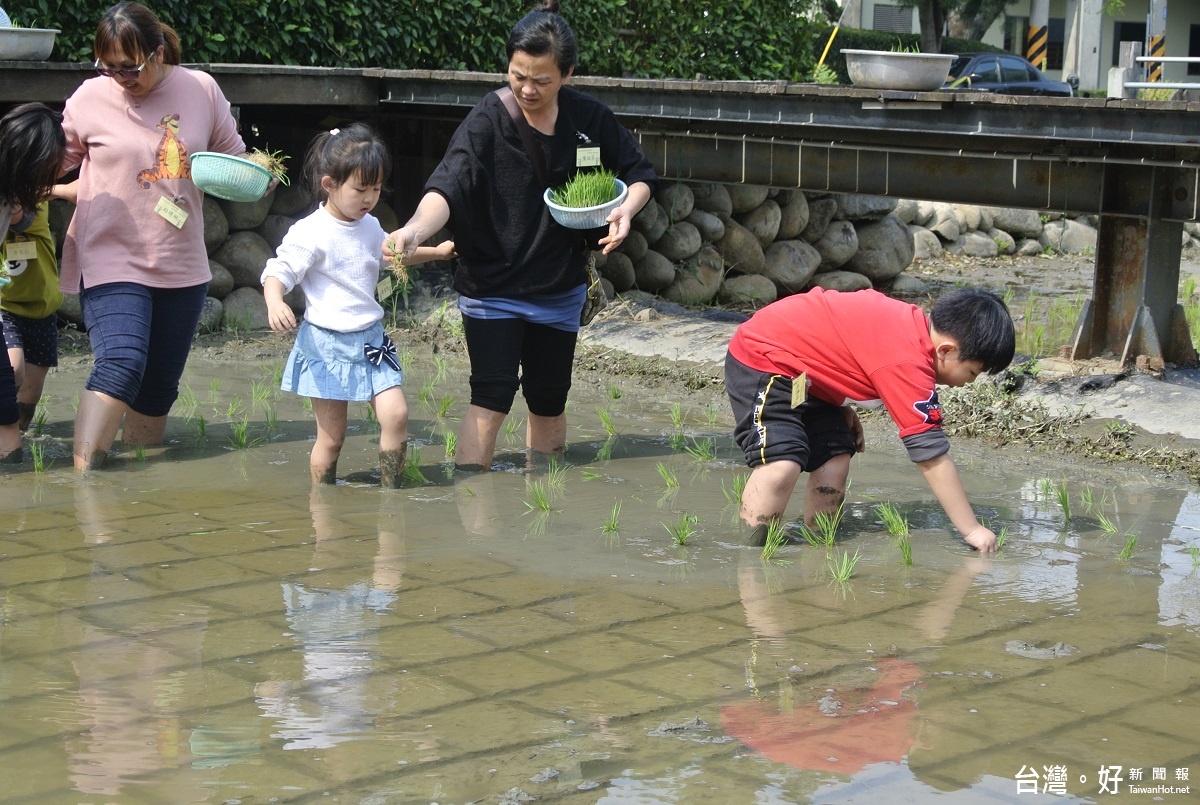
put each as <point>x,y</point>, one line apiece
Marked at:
<point>330,365</point>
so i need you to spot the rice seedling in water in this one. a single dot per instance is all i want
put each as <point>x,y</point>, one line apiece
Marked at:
<point>260,391</point>
<point>187,398</point>
<point>425,392</point>
<point>556,475</point>
<point>841,566</point>
<point>272,420</point>
<point>668,475</point>
<point>440,369</point>
<point>1126,552</point>
<point>683,529</point>
<point>451,443</point>
<point>199,427</point>
<point>606,420</point>
<point>702,449</point>
<point>1064,500</point>
<point>614,391</point>
<point>605,451</point>
<point>712,415</point>
<point>240,433</point>
<point>412,467</point>
<point>511,424</point>
<point>612,523</point>
<point>1001,538</point>
<point>1088,500</point>
<point>37,452</point>
<point>139,453</point>
<point>676,416</point>
<point>235,408</point>
<point>1107,525</point>
<point>776,538</point>
<point>39,418</point>
<point>733,495</point>
<point>445,403</point>
<point>894,520</point>
<point>405,358</point>
<point>904,543</point>
<point>214,388</point>
<point>539,497</point>
<point>1194,552</point>
<point>306,404</point>
<point>826,529</point>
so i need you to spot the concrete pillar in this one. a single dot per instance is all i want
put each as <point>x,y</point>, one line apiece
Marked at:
<point>1038,36</point>
<point>1081,58</point>
<point>1156,33</point>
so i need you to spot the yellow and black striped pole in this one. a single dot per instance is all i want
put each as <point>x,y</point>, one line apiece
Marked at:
<point>1158,48</point>
<point>1036,42</point>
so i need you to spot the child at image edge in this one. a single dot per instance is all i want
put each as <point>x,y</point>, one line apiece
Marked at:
<point>794,367</point>
<point>342,353</point>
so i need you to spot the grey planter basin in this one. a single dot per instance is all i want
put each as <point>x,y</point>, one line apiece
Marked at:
<point>883,69</point>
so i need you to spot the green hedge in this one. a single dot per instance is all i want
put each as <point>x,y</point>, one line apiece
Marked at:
<point>668,38</point>
<point>719,39</point>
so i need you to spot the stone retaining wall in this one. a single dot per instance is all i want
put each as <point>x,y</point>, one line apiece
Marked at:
<point>694,244</point>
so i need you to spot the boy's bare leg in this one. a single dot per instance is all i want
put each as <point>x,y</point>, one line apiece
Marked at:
<point>826,487</point>
<point>546,434</point>
<point>96,423</point>
<point>766,496</point>
<point>477,438</point>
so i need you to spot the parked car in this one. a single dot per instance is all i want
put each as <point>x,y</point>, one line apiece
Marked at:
<point>1003,73</point>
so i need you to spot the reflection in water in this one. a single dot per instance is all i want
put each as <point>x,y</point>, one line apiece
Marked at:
<point>335,630</point>
<point>175,629</point>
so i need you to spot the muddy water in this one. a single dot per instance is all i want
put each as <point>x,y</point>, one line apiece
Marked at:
<point>194,625</point>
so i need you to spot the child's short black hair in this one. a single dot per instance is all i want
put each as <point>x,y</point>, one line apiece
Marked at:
<point>342,154</point>
<point>32,146</point>
<point>979,321</point>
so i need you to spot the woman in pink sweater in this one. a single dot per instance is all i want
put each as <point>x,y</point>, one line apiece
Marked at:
<point>135,248</point>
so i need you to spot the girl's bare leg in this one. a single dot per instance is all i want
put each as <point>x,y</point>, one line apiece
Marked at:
<point>331,435</point>
<point>391,410</point>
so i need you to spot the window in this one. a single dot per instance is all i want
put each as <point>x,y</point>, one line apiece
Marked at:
<point>1127,32</point>
<point>1056,30</point>
<point>892,19</point>
<point>986,69</point>
<point>1014,70</point>
<point>1194,49</point>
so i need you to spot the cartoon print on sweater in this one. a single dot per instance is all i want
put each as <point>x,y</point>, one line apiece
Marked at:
<point>171,156</point>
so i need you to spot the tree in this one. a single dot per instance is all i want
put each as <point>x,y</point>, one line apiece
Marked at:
<point>931,15</point>
<point>974,17</point>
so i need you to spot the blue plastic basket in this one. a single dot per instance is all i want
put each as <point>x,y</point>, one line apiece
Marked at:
<point>227,177</point>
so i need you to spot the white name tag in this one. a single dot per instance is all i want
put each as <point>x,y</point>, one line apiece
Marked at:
<point>20,250</point>
<point>587,157</point>
<point>383,291</point>
<point>172,212</point>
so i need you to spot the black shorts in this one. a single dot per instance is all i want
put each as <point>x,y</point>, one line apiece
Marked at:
<point>768,428</point>
<point>37,337</point>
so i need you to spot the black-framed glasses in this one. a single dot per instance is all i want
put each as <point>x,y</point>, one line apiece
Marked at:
<point>129,74</point>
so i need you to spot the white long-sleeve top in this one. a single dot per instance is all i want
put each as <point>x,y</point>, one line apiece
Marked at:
<point>336,264</point>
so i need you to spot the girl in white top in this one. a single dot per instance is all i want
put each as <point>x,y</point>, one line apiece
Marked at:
<point>335,255</point>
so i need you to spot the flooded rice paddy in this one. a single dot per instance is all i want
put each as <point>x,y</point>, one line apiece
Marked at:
<point>195,624</point>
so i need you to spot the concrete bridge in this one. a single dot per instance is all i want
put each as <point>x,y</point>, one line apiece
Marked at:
<point>1134,164</point>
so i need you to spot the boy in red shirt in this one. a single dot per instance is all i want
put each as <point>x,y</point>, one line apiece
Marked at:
<point>794,367</point>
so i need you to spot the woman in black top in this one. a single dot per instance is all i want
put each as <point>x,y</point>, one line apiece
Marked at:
<point>520,275</point>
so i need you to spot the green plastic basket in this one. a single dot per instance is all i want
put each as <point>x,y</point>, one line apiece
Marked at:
<point>228,177</point>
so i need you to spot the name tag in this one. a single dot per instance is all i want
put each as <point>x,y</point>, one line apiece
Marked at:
<point>799,390</point>
<point>383,291</point>
<point>21,250</point>
<point>171,212</point>
<point>587,156</point>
